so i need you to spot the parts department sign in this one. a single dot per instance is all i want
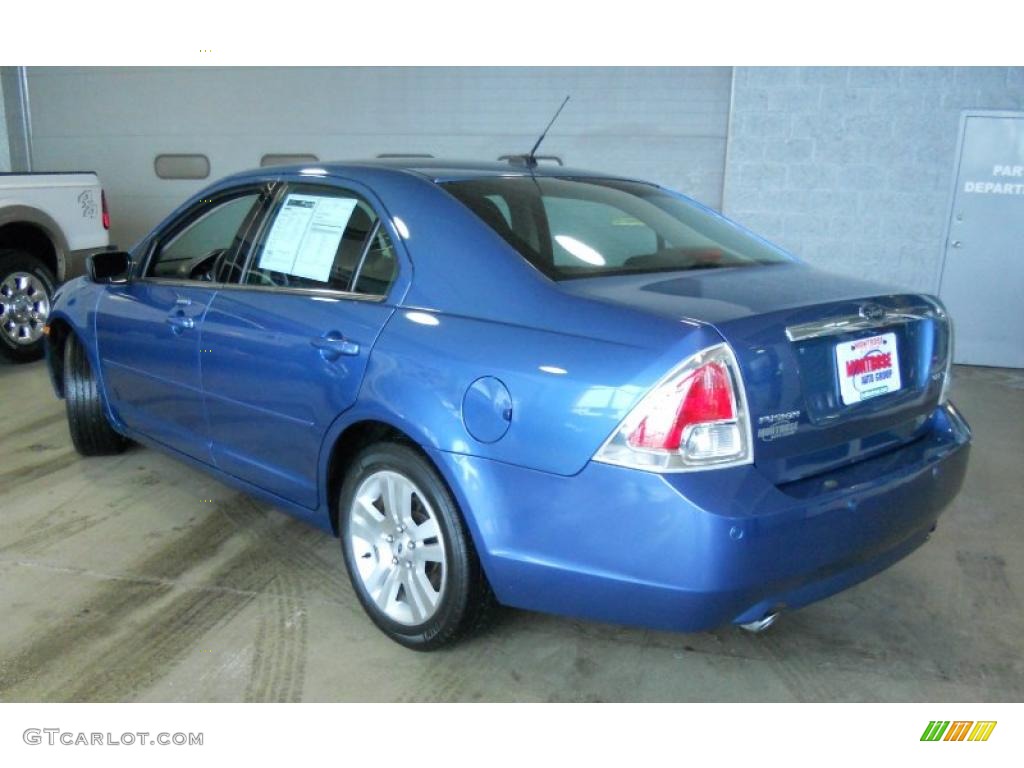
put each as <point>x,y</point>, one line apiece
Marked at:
<point>1006,180</point>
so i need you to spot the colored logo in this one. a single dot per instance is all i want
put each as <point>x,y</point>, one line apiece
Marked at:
<point>869,374</point>
<point>958,730</point>
<point>875,360</point>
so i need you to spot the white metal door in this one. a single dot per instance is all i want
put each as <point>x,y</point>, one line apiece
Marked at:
<point>982,280</point>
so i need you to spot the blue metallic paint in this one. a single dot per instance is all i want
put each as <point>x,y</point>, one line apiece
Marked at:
<point>487,409</point>
<point>151,366</point>
<point>751,308</point>
<point>852,492</point>
<point>297,397</point>
<point>694,551</point>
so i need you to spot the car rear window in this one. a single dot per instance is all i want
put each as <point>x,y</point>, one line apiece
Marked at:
<point>573,227</point>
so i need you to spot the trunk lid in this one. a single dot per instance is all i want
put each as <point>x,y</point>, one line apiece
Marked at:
<point>785,322</point>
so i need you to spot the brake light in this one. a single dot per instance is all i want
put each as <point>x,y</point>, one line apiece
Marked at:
<point>702,396</point>
<point>942,317</point>
<point>695,418</point>
<point>103,208</point>
<point>947,376</point>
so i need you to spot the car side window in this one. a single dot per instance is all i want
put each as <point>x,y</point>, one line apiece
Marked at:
<point>379,267</point>
<point>502,206</point>
<point>195,251</point>
<point>317,238</point>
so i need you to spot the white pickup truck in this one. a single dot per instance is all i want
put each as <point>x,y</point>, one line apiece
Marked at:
<point>49,224</point>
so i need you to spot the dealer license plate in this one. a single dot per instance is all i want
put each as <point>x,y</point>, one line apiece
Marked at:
<point>868,368</point>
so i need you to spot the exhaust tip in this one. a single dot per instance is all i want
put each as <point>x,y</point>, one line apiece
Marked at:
<point>761,624</point>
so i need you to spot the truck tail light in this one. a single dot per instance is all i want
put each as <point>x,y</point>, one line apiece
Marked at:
<point>103,208</point>
<point>695,418</point>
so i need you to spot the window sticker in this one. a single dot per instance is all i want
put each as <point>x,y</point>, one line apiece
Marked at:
<point>305,236</point>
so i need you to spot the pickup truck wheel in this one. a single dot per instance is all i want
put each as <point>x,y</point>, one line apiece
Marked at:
<point>407,550</point>
<point>91,433</point>
<point>26,289</point>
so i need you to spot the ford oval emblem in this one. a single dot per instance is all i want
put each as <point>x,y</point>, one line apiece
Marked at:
<point>872,312</point>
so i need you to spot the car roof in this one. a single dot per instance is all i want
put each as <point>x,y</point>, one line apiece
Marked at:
<point>434,169</point>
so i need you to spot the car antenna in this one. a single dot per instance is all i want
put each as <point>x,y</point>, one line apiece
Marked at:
<point>531,159</point>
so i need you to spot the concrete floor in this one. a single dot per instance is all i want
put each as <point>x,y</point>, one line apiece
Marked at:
<point>137,578</point>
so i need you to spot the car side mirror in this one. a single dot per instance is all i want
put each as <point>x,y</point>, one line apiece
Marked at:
<point>109,266</point>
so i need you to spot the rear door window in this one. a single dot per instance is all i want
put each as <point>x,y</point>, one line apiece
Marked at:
<point>379,267</point>
<point>318,238</point>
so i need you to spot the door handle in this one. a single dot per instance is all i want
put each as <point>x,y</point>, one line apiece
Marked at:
<point>333,345</point>
<point>180,322</point>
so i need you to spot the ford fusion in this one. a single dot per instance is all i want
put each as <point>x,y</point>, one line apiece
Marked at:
<point>501,384</point>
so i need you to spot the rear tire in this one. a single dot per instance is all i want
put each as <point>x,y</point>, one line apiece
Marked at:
<point>423,596</point>
<point>90,430</point>
<point>26,294</point>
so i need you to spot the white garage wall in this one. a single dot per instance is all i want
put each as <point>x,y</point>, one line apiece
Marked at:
<point>667,125</point>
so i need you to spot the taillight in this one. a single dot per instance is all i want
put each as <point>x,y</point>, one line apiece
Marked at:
<point>947,375</point>
<point>695,418</point>
<point>103,208</point>
<point>942,316</point>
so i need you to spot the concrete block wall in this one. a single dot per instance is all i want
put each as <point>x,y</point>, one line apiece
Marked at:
<point>851,168</point>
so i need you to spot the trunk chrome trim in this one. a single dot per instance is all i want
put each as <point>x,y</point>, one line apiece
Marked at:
<point>849,323</point>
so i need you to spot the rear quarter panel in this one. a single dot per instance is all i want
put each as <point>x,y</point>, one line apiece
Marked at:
<point>568,393</point>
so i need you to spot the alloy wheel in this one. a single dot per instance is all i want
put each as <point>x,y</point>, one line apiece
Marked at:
<point>24,307</point>
<point>397,547</point>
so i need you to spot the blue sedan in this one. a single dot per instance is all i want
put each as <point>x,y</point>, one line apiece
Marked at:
<point>500,384</point>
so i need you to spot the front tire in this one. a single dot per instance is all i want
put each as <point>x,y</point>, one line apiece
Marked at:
<point>90,430</point>
<point>407,551</point>
<point>26,292</point>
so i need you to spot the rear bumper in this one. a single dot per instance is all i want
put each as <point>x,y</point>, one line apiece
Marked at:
<point>694,551</point>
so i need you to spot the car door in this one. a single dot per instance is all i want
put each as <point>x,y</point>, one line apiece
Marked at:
<point>286,346</point>
<point>148,329</point>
